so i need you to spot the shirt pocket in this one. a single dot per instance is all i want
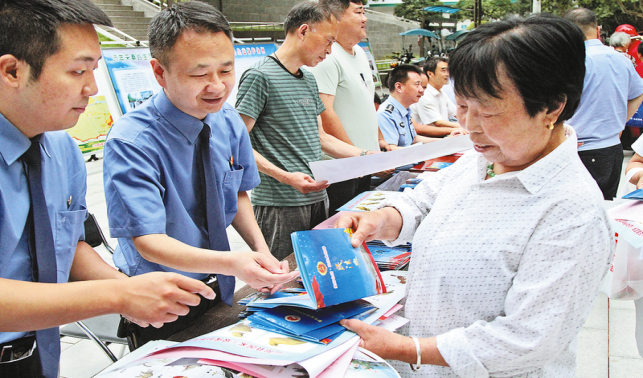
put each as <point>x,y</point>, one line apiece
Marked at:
<point>231,184</point>
<point>69,227</point>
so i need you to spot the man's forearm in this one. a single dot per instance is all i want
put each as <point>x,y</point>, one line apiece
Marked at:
<point>88,265</point>
<point>330,120</point>
<point>29,306</point>
<point>336,148</point>
<point>266,167</point>
<point>246,225</point>
<point>165,250</point>
<point>446,123</point>
<point>431,130</point>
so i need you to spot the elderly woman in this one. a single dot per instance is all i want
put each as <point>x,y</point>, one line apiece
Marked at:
<point>621,42</point>
<point>511,242</point>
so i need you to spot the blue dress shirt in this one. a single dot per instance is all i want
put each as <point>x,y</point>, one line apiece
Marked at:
<point>610,81</point>
<point>64,182</point>
<point>153,184</point>
<point>395,123</point>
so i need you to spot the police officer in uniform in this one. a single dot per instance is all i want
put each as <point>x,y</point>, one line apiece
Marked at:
<point>394,115</point>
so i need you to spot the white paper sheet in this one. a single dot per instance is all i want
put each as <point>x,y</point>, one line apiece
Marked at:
<point>349,168</point>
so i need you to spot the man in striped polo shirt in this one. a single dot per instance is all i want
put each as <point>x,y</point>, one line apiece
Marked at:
<point>279,102</point>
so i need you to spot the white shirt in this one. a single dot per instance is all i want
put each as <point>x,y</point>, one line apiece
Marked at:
<point>433,106</point>
<point>504,271</point>
<point>349,78</point>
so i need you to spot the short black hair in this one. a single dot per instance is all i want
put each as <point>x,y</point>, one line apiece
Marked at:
<point>338,7</point>
<point>584,18</point>
<point>377,99</point>
<point>432,64</point>
<point>29,28</point>
<point>543,55</point>
<point>306,13</point>
<point>169,24</point>
<point>639,49</point>
<point>400,74</point>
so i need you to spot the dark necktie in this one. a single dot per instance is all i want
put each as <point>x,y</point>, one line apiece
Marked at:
<point>47,340</point>
<point>215,215</point>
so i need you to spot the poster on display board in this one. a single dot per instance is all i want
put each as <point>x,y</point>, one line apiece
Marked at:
<point>133,79</point>
<point>366,46</point>
<point>102,110</point>
<point>245,55</point>
<point>132,76</point>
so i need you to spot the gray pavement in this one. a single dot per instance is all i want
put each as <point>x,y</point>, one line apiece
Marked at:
<point>606,345</point>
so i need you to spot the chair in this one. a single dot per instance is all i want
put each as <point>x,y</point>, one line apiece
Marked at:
<point>101,329</point>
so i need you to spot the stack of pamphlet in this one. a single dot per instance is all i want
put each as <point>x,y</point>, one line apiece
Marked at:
<point>390,258</point>
<point>278,340</point>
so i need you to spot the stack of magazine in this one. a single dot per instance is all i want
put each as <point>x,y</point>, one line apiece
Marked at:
<point>386,258</point>
<point>390,258</point>
<point>294,333</point>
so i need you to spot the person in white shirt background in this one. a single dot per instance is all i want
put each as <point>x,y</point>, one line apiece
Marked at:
<point>432,113</point>
<point>511,242</point>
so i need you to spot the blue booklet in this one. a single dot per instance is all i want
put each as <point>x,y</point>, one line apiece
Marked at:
<point>308,324</point>
<point>332,270</point>
<point>635,195</point>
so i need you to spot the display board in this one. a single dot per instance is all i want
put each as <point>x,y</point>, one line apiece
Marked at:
<point>131,75</point>
<point>245,55</point>
<point>366,46</point>
<point>93,125</point>
<point>125,80</point>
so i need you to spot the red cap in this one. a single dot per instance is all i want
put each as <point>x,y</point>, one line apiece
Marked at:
<point>628,29</point>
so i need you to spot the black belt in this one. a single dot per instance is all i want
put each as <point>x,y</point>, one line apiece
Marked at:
<point>16,350</point>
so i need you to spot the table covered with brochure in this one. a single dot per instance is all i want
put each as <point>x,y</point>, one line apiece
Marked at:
<point>293,333</point>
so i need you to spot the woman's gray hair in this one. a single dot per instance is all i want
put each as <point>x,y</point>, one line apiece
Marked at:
<point>619,39</point>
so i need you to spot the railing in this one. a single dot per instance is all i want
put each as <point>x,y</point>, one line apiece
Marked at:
<point>117,38</point>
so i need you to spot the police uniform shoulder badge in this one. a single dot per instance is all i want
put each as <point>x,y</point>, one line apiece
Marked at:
<point>389,108</point>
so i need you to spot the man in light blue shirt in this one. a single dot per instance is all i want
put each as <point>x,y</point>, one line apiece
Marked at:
<point>46,78</point>
<point>394,115</point>
<point>612,92</point>
<point>158,199</point>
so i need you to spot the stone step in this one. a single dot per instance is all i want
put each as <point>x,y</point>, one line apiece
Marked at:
<point>108,8</point>
<point>107,2</point>
<point>124,13</point>
<point>129,19</point>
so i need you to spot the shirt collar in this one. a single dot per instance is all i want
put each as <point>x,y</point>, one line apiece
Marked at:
<point>404,111</point>
<point>14,142</point>
<point>593,42</point>
<point>431,90</point>
<point>536,176</point>
<point>186,124</point>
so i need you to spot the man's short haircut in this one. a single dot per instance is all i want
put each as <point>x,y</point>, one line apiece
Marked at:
<point>309,13</point>
<point>543,55</point>
<point>400,74</point>
<point>432,64</point>
<point>169,24</point>
<point>338,7</point>
<point>377,99</point>
<point>619,39</point>
<point>29,28</point>
<point>584,18</point>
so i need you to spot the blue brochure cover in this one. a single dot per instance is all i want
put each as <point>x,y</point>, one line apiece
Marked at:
<point>302,320</point>
<point>332,270</point>
<point>635,195</point>
<point>308,324</point>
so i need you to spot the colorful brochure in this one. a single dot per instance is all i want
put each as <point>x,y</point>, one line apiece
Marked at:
<point>332,270</point>
<point>367,201</point>
<point>307,324</point>
<point>635,195</point>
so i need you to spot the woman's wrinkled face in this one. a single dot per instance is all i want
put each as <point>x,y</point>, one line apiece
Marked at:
<point>502,130</point>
